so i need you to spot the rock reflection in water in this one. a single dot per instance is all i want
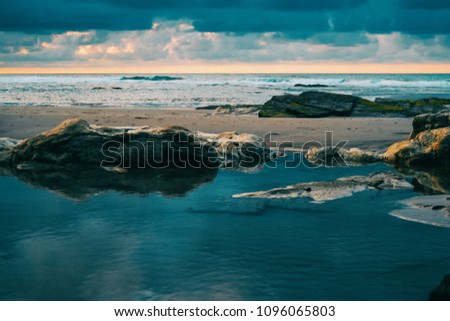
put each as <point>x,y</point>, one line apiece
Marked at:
<point>428,180</point>
<point>83,183</point>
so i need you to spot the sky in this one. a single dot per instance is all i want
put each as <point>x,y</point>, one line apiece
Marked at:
<point>177,36</point>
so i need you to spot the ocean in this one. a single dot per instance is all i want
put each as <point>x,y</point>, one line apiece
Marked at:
<point>196,90</point>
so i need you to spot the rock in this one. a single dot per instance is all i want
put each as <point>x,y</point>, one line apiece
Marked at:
<point>418,106</point>
<point>77,159</point>
<point>8,143</point>
<point>428,146</point>
<point>309,104</point>
<point>431,210</point>
<point>321,104</point>
<point>212,107</point>
<point>312,86</point>
<point>241,150</point>
<point>76,143</point>
<point>340,156</point>
<point>7,146</point>
<point>154,78</point>
<point>430,121</point>
<point>236,110</point>
<point>232,109</point>
<point>332,190</point>
<point>163,78</point>
<point>442,291</point>
<point>367,108</point>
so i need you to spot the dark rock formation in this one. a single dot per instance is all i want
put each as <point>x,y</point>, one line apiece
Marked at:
<point>154,78</point>
<point>332,190</point>
<point>312,86</point>
<point>442,291</point>
<point>76,143</point>
<point>428,143</point>
<point>430,121</point>
<point>418,106</point>
<point>311,104</point>
<point>77,159</point>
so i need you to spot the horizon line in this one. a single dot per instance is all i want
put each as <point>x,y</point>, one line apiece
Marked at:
<point>240,68</point>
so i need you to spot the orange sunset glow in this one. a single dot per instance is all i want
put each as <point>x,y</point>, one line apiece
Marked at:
<point>281,68</point>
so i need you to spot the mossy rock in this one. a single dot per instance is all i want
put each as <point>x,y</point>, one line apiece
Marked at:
<point>313,104</point>
<point>266,113</point>
<point>365,105</point>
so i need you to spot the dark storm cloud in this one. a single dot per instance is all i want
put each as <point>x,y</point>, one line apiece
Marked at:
<point>58,15</point>
<point>254,4</point>
<point>308,5</point>
<point>293,17</point>
<point>425,4</point>
<point>42,32</point>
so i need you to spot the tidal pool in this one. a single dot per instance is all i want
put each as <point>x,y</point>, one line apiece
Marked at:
<point>171,238</point>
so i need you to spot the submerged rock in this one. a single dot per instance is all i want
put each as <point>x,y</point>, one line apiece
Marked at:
<point>332,190</point>
<point>442,291</point>
<point>154,78</point>
<point>431,210</point>
<point>429,142</point>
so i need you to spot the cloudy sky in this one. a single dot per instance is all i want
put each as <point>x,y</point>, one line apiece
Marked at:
<point>225,36</point>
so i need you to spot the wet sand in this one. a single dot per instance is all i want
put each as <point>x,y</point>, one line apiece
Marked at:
<point>369,133</point>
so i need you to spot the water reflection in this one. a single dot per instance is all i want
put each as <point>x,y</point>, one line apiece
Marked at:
<point>428,180</point>
<point>80,184</point>
<point>116,247</point>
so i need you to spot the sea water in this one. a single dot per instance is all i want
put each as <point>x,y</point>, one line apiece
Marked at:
<point>195,90</point>
<point>59,241</point>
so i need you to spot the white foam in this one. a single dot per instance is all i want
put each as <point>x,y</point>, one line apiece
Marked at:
<point>202,90</point>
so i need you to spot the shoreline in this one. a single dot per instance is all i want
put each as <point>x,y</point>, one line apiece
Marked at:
<point>368,133</point>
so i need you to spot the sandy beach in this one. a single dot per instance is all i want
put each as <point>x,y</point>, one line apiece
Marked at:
<point>369,133</point>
